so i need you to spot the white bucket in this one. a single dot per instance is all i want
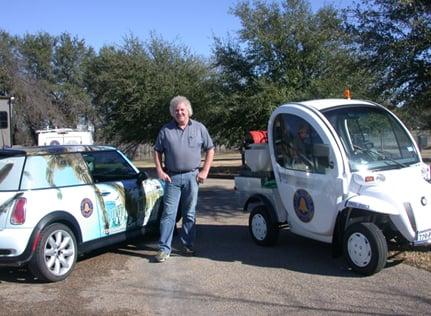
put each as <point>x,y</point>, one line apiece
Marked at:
<point>257,157</point>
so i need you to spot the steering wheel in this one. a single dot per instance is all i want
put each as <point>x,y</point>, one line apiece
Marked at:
<point>302,159</point>
<point>306,160</point>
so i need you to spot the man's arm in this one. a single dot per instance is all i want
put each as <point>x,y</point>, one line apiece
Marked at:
<point>158,162</point>
<point>203,174</point>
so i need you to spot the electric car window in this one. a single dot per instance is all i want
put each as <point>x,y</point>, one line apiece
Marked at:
<point>294,144</point>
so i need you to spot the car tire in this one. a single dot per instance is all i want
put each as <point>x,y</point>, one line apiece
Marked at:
<point>263,229</point>
<point>365,248</point>
<point>55,255</point>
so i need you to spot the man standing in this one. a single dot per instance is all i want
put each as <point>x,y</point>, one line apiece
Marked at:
<point>180,142</point>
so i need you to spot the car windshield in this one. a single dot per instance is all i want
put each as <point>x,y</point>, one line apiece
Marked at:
<point>373,138</point>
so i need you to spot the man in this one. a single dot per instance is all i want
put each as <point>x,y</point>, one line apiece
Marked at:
<point>303,148</point>
<point>302,141</point>
<point>180,143</point>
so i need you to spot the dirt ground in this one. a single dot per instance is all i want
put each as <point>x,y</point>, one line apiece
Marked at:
<point>227,165</point>
<point>418,257</point>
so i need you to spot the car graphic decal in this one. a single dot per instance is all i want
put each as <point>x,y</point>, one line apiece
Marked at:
<point>86,207</point>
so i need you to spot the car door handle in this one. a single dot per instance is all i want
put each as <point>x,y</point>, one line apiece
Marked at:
<point>105,193</point>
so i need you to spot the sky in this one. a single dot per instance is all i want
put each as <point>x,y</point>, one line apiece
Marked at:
<point>192,23</point>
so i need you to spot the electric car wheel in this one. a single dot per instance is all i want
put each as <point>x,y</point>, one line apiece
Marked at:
<point>262,229</point>
<point>365,248</point>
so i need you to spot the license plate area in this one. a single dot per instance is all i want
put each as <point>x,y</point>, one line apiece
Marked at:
<point>424,237</point>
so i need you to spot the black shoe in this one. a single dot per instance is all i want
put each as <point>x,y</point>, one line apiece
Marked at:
<point>188,251</point>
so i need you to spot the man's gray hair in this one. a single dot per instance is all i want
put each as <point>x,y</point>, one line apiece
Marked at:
<point>177,100</point>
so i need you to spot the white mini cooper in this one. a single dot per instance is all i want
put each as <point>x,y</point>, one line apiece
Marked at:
<point>56,202</point>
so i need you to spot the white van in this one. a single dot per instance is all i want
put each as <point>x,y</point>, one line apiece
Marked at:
<point>64,136</point>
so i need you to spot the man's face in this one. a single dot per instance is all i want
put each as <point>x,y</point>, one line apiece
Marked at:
<point>304,132</point>
<point>181,114</point>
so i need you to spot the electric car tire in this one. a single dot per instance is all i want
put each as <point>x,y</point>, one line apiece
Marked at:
<point>365,248</point>
<point>262,229</point>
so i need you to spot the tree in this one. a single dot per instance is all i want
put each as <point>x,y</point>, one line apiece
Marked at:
<point>69,94</point>
<point>19,79</point>
<point>45,74</point>
<point>394,42</point>
<point>8,62</point>
<point>133,84</point>
<point>284,52</point>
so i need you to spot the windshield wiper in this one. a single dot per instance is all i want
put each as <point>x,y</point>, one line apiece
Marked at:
<point>382,156</point>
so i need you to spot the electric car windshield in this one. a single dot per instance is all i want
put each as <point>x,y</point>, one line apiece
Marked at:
<point>372,138</point>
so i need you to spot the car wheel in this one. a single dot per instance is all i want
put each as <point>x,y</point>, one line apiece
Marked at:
<point>262,229</point>
<point>365,248</point>
<point>55,255</point>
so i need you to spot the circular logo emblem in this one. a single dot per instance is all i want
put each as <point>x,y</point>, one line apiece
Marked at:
<point>303,205</point>
<point>86,207</point>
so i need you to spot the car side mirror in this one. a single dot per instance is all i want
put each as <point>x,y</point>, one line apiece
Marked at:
<point>321,153</point>
<point>143,175</point>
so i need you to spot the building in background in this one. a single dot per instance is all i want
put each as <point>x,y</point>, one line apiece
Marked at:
<point>5,121</point>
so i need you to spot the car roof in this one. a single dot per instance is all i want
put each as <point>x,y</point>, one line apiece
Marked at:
<point>323,104</point>
<point>46,150</point>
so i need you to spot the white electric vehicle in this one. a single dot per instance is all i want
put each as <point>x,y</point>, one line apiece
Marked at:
<point>346,172</point>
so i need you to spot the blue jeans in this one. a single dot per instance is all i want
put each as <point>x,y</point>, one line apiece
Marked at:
<point>184,187</point>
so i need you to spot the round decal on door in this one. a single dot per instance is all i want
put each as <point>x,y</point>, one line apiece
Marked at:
<point>86,207</point>
<point>303,205</point>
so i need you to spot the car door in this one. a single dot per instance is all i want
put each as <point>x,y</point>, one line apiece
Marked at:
<point>308,175</point>
<point>119,194</point>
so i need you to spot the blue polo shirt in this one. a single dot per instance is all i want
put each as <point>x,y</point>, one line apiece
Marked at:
<point>182,148</point>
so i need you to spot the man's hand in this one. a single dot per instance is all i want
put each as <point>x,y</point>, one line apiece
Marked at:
<point>163,176</point>
<point>202,175</point>
<point>158,162</point>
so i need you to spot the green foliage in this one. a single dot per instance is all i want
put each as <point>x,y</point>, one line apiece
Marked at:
<point>45,74</point>
<point>132,87</point>
<point>37,52</point>
<point>285,52</point>
<point>8,62</point>
<point>394,42</point>
<point>69,94</point>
